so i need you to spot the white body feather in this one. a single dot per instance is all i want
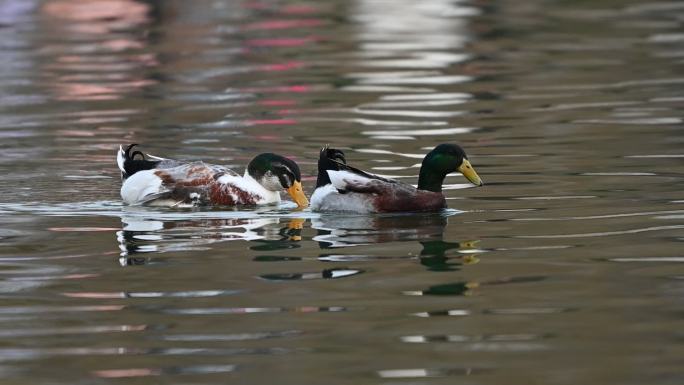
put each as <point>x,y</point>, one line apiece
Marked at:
<point>120,159</point>
<point>340,179</point>
<point>327,198</point>
<point>142,187</point>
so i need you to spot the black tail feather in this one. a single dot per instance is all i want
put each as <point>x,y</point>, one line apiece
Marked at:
<point>329,159</point>
<point>131,165</point>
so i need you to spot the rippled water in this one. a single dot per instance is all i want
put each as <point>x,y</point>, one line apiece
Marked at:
<point>566,268</point>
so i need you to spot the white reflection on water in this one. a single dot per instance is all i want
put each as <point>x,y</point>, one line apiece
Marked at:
<point>649,259</point>
<point>157,294</point>
<point>494,342</point>
<point>144,235</point>
<point>429,132</point>
<point>412,42</point>
<point>411,114</point>
<point>80,330</point>
<point>412,34</point>
<point>425,372</point>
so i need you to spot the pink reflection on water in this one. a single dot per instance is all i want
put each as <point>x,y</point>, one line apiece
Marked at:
<point>283,24</point>
<point>76,133</point>
<point>97,16</point>
<point>82,91</point>
<point>122,45</point>
<point>282,66</point>
<point>287,112</point>
<point>124,373</point>
<point>271,122</point>
<point>106,91</point>
<point>103,27</point>
<point>268,138</point>
<point>295,89</point>
<point>276,102</point>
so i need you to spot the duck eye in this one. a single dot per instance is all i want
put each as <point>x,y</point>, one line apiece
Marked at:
<point>286,180</point>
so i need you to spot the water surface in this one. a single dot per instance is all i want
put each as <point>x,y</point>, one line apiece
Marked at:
<point>565,268</point>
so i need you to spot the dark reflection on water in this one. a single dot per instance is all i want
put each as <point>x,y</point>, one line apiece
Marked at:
<point>334,273</point>
<point>565,268</point>
<point>428,229</point>
<point>352,230</point>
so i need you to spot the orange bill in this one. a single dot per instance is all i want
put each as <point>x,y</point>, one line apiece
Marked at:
<point>297,194</point>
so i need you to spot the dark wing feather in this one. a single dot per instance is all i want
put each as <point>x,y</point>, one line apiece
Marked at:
<point>137,161</point>
<point>345,167</point>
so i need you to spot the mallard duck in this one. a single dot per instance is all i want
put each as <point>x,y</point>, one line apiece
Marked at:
<point>344,188</point>
<point>165,182</point>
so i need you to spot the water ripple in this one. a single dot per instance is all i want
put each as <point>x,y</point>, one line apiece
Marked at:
<point>157,294</point>
<point>430,132</point>
<point>410,114</point>
<point>253,310</point>
<point>568,112</point>
<point>162,371</point>
<point>431,372</point>
<point>230,337</point>
<point>58,309</point>
<point>648,259</point>
<point>605,233</point>
<point>335,273</point>
<point>441,313</point>
<point>605,216</point>
<point>21,333</point>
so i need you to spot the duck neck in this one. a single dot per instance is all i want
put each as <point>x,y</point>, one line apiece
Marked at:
<point>325,164</point>
<point>429,179</point>
<point>323,178</point>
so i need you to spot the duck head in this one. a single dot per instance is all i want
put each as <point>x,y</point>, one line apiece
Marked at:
<point>442,160</point>
<point>276,173</point>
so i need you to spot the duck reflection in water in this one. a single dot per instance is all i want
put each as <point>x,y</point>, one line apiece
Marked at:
<point>426,228</point>
<point>149,235</point>
<point>287,238</point>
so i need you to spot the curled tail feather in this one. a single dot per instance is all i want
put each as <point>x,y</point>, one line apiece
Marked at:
<point>129,165</point>
<point>329,159</point>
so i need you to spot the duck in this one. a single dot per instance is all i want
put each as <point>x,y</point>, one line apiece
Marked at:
<point>155,181</point>
<point>341,187</point>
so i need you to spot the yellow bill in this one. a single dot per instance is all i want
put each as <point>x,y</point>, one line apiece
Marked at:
<point>297,194</point>
<point>469,172</point>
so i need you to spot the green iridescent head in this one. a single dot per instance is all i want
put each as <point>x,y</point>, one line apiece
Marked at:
<point>442,160</point>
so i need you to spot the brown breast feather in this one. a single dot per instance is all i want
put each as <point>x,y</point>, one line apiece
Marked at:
<point>399,197</point>
<point>202,180</point>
